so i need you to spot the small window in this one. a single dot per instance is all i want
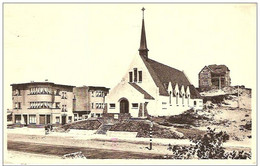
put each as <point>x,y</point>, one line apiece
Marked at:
<point>112,105</point>
<point>195,103</point>
<point>135,74</point>
<point>92,105</point>
<point>70,119</point>
<point>17,118</point>
<point>64,108</point>
<point>58,92</point>
<point>18,105</point>
<point>75,117</point>
<point>57,119</point>
<point>170,98</point>
<point>57,105</point>
<point>140,76</point>
<point>115,116</point>
<point>135,105</point>
<point>99,105</point>
<point>177,98</point>
<point>99,94</point>
<point>32,119</point>
<point>130,76</point>
<point>164,105</point>
<point>17,92</point>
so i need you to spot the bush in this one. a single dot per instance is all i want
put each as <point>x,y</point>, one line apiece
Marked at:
<point>207,147</point>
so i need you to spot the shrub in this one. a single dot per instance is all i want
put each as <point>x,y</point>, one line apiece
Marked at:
<point>208,146</point>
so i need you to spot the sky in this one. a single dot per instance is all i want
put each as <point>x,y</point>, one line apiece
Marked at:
<point>93,44</point>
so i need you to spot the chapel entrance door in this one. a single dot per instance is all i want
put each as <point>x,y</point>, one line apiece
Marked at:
<point>63,120</point>
<point>124,106</point>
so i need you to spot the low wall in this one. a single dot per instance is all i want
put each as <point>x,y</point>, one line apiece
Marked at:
<point>121,134</point>
<point>82,132</point>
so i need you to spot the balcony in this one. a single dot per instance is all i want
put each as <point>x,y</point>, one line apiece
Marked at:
<point>40,97</point>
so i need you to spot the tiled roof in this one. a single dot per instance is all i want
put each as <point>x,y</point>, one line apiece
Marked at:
<point>218,68</point>
<point>194,94</point>
<point>163,74</point>
<point>146,95</point>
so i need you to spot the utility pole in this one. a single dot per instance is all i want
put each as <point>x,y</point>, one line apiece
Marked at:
<point>219,79</point>
<point>238,96</point>
<point>151,136</point>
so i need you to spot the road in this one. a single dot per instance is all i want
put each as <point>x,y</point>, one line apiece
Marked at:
<point>89,153</point>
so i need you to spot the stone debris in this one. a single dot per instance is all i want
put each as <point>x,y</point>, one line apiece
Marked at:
<point>74,155</point>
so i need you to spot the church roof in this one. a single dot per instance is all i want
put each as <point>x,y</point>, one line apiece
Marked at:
<point>163,74</point>
<point>146,95</point>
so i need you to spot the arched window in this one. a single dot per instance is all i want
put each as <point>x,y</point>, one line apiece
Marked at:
<point>170,99</point>
<point>177,98</point>
<point>183,99</point>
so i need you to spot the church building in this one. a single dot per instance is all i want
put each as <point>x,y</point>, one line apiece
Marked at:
<point>152,88</point>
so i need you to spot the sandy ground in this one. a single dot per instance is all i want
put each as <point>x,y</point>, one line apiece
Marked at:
<point>231,120</point>
<point>24,158</point>
<point>139,145</point>
<point>86,139</point>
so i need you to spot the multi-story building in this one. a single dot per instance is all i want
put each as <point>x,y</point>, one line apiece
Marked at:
<point>41,103</point>
<point>214,77</point>
<point>89,101</point>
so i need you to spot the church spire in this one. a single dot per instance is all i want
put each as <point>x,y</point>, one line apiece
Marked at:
<point>143,50</point>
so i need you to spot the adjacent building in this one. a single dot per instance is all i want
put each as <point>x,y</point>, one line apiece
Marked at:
<point>89,101</point>
<point>152,88</point>
<point>41,103</point>
<point>214,77</point>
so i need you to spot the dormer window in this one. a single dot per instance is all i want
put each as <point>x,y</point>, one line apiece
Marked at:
<point>140,76</point>
<point>135,74</point>
<point>130,76</point>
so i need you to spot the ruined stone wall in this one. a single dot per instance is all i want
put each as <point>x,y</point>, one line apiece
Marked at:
<point>205,79</point>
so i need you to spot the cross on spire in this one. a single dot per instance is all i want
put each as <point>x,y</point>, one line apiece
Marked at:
<point>143,11</point>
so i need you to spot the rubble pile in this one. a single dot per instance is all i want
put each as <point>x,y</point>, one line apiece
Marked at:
<point>83,125</point>
<point>142,127</point>
<point>75,155</point>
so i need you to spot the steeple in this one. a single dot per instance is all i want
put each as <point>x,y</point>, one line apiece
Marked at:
<point>143,50</point>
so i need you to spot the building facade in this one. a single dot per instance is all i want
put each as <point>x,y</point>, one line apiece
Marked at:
<point>40,103</point>
<point>89,101</point>
<point>214,77</point>
<point>152,88</point>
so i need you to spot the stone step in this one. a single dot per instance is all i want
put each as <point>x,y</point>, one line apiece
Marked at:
<point>103,129</point>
